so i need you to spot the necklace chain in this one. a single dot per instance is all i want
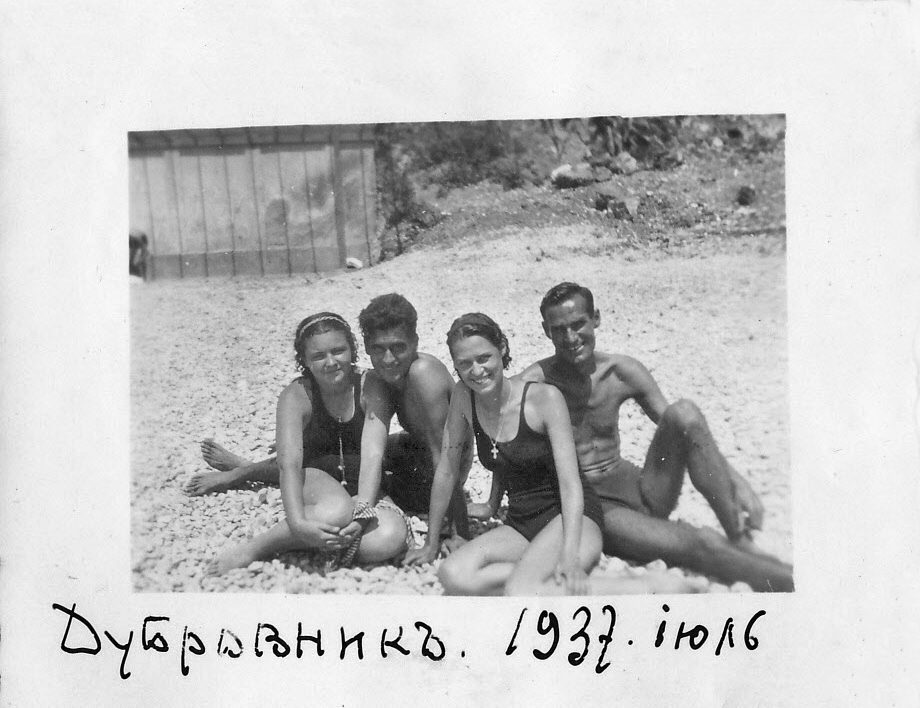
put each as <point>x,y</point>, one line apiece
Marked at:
<point>341,452</point>
<point>498,432</point>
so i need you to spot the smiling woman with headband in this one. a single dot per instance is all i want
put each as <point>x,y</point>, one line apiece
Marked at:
<point>523,435</point>
<point>319,422</point>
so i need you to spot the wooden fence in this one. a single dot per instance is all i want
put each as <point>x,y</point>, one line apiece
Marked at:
<point>258,201</point>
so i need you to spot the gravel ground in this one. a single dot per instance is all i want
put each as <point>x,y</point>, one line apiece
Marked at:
<point>209,358</point>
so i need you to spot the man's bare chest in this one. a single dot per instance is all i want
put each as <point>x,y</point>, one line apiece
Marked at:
<point>596,408</point>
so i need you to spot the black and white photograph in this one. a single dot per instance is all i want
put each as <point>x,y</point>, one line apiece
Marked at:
<point>524,353</point>
<point>634,265</point>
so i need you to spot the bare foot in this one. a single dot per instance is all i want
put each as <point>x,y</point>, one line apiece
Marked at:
<point>219,457</point>
<point>207,483</point>
<point>745,542</point>
<point>236,557</point>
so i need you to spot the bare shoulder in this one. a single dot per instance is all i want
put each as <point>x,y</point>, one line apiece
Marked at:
<point>629,370</point>
<point>429,372</point>
<point>536,371</point>
<point>544,394</point>
<point>460,397</point>
<point>374,387</point>
<point>294,396</point>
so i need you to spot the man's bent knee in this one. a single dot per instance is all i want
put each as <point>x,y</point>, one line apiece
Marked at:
<point>684,414</point>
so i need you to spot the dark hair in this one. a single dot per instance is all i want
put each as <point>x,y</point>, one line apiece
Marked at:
<point>566,291</point>
<point>476,324</point>
<point>386,312</point>
<point>318,324</point>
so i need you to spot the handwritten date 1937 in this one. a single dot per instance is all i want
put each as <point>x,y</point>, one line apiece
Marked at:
<point>694,635</point>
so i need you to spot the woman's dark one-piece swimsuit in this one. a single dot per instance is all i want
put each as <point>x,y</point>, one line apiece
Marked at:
<point>322,434</point>
<point>526,464</point>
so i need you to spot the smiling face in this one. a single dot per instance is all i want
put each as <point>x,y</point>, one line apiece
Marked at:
<point>478,363</point>
<point>570,326</point>
<point>328,357</point>
<point>392,352</point>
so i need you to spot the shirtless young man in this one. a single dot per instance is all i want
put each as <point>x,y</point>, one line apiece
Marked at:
<point>637,501</point>
<point>414,386</point>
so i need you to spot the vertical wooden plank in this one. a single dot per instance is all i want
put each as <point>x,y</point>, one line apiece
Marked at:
<point>370,202</point>
<point>138,205</point>
<point>171,161</point>
<point>294,179</point>
<point>322,207</point>
<point>233,263</point>
<point>243,215</point>
<point>251,152</point>
<point>216,202</point>
<point>351,198</point>
<point>191,213</point>
<point>167,260</point>
<point>339,204</point>
<point>152,235</point>
<point>311,235</point>
<point>286,208</point>
<point>204,214</point>
<point>271,209</point>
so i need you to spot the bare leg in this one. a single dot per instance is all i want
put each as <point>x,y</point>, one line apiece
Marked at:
<point>683,441</point>
<point>219,457</point>
<point>483,566</point>
<point>324,500</point>
<point>534,574</point>
<point>208,482</point>
<point>632,534</point>
<point>261,547</point>
<point>383,539</point>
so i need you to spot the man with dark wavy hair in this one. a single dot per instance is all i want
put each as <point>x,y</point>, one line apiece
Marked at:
<point>637,501</point>
<point>416,388</point>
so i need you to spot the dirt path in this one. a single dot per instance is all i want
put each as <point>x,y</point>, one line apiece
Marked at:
<point>210,357</point>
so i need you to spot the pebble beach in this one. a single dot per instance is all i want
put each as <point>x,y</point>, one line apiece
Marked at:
<point>209,358</point>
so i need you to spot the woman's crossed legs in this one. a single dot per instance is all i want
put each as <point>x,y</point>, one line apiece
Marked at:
<point>325,502</point>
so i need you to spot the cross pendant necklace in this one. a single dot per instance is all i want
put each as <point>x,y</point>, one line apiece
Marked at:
<point>498,433</point>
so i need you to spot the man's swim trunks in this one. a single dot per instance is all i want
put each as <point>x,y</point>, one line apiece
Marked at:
<point>408,473</point>
<point>619,486</point>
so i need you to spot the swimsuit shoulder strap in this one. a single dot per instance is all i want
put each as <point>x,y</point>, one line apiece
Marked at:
<point>522,422</point>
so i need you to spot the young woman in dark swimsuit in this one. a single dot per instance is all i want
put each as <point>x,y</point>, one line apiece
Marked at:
<point>551,539</point>
<point>319,422</point>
